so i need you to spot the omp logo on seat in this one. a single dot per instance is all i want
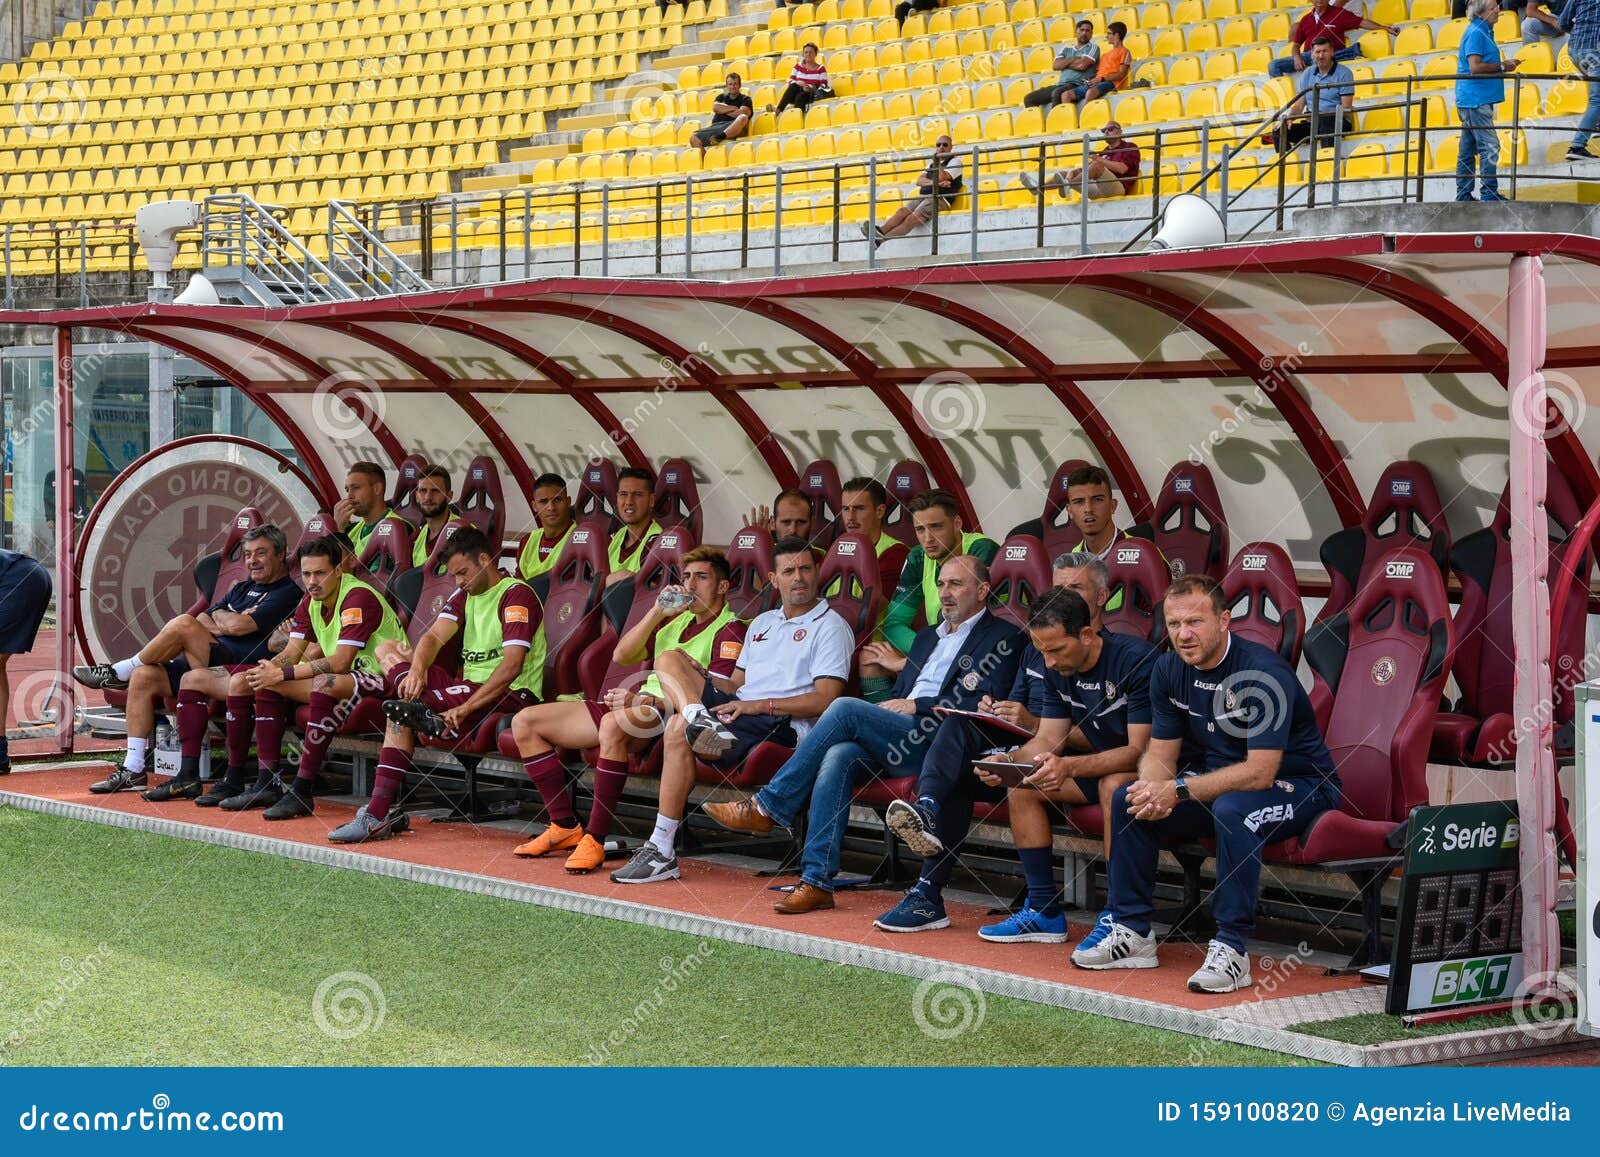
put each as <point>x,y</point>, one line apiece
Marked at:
<point>242,523</point>
<point>1183,485</point>
<point>846,548</point>
<point>902,480</point>
<point>595,476</point>
<point>1016,553</point>
<point>1398,570</point>
<point>580,536</point>
<point>1400,488</point>
<point>1253,562</point>
<point>671,478</point>
<point>477,474</point>
<point>1130,555</point>
<point>745,541</point>
<point>814,480</point>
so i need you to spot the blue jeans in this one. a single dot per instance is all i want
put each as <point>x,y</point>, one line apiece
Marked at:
<point>1285,65</point>
<point>852,736</point>
<point>1242,822</point>
<point>1478,140</point>
<point>1590,66</point>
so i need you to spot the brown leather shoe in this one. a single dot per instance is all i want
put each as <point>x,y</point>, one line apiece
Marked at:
<point>804,898</point>
<point>740,815</point>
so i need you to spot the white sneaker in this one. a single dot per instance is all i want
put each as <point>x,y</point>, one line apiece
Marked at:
<point>1029,182</point>
<point>708,736</point>
<point>1225,970</point>
<point>1122,948</point>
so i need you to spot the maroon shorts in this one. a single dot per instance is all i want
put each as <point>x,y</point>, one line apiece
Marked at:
<point>446,691</point>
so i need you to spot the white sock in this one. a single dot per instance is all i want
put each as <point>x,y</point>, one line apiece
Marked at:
<point>136,750</point>
<point>665,835</point>
<point>124,669</point>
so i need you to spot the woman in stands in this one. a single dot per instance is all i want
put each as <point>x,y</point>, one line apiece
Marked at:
<point>807,81</point>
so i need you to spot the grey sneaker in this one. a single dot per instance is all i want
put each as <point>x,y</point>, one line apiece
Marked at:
<point>708,736</point>
<point>914,827</point>
<point>367,827</point>
<point>100,677</point>
<point>122,779</point>
<point>1122,948</point>
<point>648,865</point>
<point>1029,182</point>
<point>1225,970</point>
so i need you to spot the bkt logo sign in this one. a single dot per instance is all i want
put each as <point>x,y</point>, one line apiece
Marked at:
<point>1253,562</point>
<point>1484,978</point>
<point>1398,570</point>
<point>1128,556</point>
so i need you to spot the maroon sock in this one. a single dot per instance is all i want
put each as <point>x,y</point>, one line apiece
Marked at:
<point>609,777</point>
<point>194,715</point>
<point>547,775</point>
<point>320,727</point>
<point>241,721</point>
<point>391,777</point>
<point>272,720</point>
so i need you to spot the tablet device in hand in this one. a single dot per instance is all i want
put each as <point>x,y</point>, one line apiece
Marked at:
<point>1010,774</point>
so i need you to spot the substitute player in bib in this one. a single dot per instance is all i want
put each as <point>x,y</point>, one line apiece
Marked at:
<point>501,625</point>
<point>936,518</point>
<point>363,505</point>
<point>329,664</point>
<point>623,720</point>
<point>432,496</point>
<point>1261,773</point>
<point>795,662</point>
<point>1094,725</point>
<point>552,507</point>
<point>862,503</point>
<point>636,496</point>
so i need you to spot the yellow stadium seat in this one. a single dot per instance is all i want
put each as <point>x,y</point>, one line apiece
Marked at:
<point>1253,61</point>
<point>988,95</point>
<point>1062,118</point>
<point>1165,108</point>
<point>1273,28</point>
<point>1184,70</point>
<point>1029,122</point>
<point>1413,40</point>
<point>1167,42</point>
<point>1220,66</point>
<point>1450,35</point>
<point>1152,72</point>
<point>1202,38</point>
<point>1238,32</point>
<point>1535,57</point>
<point>1429,9</point>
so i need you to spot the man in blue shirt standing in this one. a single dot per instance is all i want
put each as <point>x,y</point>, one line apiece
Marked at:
<point>1582,17</point>
<point>1480,87</point>
<point>1259,772</point>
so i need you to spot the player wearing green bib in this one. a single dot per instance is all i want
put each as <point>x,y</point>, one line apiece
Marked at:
<point>363,505</point>
<point>330,663</point>
<point>862,503</point>
<point>432,495</point>
<point>936,517</point>
<point>500,624</point>
<point>636,490</point>
<point>625,721</point>
<point>552,508</point>
<point>1091,508</point>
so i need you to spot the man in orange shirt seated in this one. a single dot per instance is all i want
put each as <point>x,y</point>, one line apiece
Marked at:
<point>1116,63</point>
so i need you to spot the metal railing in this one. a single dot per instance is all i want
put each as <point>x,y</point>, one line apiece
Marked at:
<point>761,219</point>
<point>243,239</point>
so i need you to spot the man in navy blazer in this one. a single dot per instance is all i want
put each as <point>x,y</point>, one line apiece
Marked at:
<point>969,654</point>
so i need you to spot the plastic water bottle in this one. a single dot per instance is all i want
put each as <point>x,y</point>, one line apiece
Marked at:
<point>674,599</point>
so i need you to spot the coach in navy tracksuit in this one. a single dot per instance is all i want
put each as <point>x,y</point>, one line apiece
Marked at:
<point>1266,775</point>
<point>969,654</point>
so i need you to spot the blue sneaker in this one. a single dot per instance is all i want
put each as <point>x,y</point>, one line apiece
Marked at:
<point>916,912</point>
<point>1101,929</point>
<point>1028,926</point>
<point>368,827</point>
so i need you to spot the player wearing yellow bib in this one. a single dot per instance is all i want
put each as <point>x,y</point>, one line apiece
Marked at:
<point>501,626</point>
<point>432,495</point>
<point>1091,508</point>
<point>330,662</point>
<point>552,507</point>
<point>636,496</point>
<point>363,505</point>
<point>625,721</point>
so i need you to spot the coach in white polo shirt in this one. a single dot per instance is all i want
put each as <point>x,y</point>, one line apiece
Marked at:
<point>795,662</point>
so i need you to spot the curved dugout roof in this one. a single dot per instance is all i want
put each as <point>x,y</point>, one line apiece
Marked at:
<point>1295,368</point>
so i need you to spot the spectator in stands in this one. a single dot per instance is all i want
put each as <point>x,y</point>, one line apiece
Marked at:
<point>808,81</point>
<point>936,190</point>
<point>1327,95</point>
<point>363,505</point>
<point>1258,772</point>
<point>1094,700</point>
<point>730,116</point>
<point>329,664</point>
<point>501,626</point>
<point>1480,88</point>
<point>795,662</point>
<point>1112,172</point>
<point>1582,19</point>
<point>862,503</point>
<point>1111,70</point>
<point>24,596</point>
<point>625,720</point>
<point>1542,20</point>
<point>1324,19</point>
<point>1076,63</point>
<point>936,518</point>
<point>432,496</point>
<point>968,654</point>
<point>552,507</point>
<point>636,496</point>
<point>907,7</point>
<point>235,631</point>
<point>790,516</point>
